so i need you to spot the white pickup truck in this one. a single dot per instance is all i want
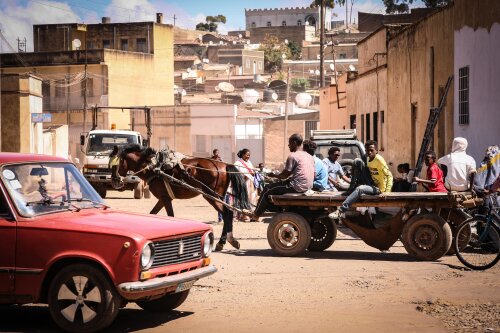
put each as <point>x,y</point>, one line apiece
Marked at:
<point>96,146</point>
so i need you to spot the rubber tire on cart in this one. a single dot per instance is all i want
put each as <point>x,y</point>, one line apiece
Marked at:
<point>138,190</point>
<point>102,191</point>
<point>289,234</point>
<point>323,234</point>
<point>426,237</point>
<point>455,218</point>
<point>165,303</point>
<point>98,297</point>
<point>147,192</point>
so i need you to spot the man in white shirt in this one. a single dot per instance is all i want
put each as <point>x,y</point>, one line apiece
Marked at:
<point>459,166</point>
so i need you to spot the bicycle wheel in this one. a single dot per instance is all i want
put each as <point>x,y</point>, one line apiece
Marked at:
<point>482,249</point>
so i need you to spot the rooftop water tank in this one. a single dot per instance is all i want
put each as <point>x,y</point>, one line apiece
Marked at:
<point>303,100</point>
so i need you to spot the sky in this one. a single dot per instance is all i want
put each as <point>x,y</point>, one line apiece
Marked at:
<point>18,16</point>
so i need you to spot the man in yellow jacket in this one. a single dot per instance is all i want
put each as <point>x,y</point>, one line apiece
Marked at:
<point>378,181</point>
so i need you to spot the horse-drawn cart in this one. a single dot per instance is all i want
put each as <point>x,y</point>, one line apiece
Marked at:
<point>425,222</point>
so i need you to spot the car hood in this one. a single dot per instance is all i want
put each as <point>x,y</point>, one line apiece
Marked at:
<point>127,224</point>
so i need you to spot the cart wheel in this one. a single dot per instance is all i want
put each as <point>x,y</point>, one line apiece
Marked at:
<point>323,234</point>
<point>426,237</point>
<point>138,190</point>
<point>289,234</point>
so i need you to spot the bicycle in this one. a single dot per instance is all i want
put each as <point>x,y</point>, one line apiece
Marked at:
<point>478,238</point>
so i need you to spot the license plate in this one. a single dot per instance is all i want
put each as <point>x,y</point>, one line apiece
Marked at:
<point>184,286</point>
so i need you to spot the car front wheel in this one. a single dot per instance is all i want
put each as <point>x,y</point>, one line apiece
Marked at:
<point>81,299</point>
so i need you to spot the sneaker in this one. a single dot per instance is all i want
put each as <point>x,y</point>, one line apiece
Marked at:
<point>337,215</point>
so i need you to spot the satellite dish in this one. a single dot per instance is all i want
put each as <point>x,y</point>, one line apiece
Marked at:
<point>76,43</point>
<point>221,43</point>
<point>274,96</point>
<point>240,35</point>
<point>352,68</point>
<point>210,42</point>
<point>311,71</point>
<point>248,42</point>
<point>226,87</point>
<point>188,70</point>
<point>332,67</point>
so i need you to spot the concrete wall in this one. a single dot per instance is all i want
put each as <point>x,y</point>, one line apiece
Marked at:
<point>477,36</point>
<point>292,33</point>
<point>419,63</point>
<point>274,138</point>
<point>343,51</point>
<point>212,126</point>
<point>20,97</point>
<point>331,116</point>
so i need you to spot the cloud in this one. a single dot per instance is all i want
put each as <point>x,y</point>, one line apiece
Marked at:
<point>17,20</point>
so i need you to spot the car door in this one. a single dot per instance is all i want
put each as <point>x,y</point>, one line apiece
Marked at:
<point>7,248</point>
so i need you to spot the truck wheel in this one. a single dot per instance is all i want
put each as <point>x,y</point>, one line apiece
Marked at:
<point>102,191</point>
<point>138,190</point>
<point>81,299</point>
<point>165,303</point>
<point>147,192</point>
<point>426,237</point>
<point>289,234</point>
<point>323,234</point>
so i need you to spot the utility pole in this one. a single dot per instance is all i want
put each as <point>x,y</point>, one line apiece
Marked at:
<point>321,42</point>
<point>175,17</point>
<point>285,133</point>
<point>85,82</point>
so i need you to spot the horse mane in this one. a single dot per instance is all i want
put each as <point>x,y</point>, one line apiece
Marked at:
<point>135,148</point>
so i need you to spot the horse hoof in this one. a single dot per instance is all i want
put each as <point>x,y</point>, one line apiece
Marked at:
<point>218,247</point>
<point>234,243</point>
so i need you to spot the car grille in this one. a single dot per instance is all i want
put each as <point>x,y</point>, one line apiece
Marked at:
<point>169,252</point>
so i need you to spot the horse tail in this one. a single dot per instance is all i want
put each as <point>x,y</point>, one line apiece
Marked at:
<point>239,185</point>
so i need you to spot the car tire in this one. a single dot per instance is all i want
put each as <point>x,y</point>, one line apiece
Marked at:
<point>427,237</point>
<point>165,303</point>
<point>289,234</point>
<point>323,234</point>
<point>82,299</point>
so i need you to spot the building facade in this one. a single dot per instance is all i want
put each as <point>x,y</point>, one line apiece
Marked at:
<point>286,17</point>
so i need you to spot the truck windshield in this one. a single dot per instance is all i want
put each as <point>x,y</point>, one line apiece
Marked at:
<point>38,188</point>
<point>103,143</point>
<point>346,152</point>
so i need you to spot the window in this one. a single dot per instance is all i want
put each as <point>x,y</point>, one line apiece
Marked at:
<point>254,25</point>
<point>124,44</point>
<point>342,56</point>
<point>463,96</point>
<point>352,121</point>
<point>362,117</point>
<point>375,126</point>
<point>141,45</point>
<point>46,88</point>
<point>283,23</point>
<point>299,23</point>
<point>106,44</point>
<point>260,64</point>
<point>247,63</point>
<point>268,23</point>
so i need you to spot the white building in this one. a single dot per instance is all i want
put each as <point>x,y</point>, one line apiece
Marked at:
<point>259,18</point>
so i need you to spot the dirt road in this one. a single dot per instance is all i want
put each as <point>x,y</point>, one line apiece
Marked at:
<point>348,288</point>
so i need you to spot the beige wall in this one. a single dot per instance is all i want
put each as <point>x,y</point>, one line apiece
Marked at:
<point>275,152</point>
<point>331,116</point>
<point>414,79</point>
<point>367,48</point>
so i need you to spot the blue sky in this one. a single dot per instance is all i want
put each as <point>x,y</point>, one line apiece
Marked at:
<point>18,16</point>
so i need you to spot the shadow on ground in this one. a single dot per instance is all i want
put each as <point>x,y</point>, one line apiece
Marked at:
<point>36,318</point>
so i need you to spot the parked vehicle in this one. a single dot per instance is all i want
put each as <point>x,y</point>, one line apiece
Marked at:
<point>97,145</point>
<point>62,245</point>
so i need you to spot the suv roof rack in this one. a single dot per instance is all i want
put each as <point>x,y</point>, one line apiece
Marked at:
<point>333,134</point>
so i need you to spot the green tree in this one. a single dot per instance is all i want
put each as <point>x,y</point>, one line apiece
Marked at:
<point>402,6</point>
<point>273,53</point>
<point>210,23</point>
<point>295,50</point>
<point>328,3</point>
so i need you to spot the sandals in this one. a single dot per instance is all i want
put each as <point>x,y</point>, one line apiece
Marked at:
<point>218,247</point>
<point>234,243</point>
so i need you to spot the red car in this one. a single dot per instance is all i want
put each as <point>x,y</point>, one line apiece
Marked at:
<point>61,244</point>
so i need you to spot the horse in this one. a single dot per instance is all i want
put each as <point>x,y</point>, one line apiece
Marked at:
<point>211,176</point>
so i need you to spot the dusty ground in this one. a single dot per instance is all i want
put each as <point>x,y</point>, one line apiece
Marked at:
<point>348,288</point>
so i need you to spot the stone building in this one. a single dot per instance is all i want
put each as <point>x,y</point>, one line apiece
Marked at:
<point>249,61</point>
<point>298,34</point>
<point>402,72</point>
<point>128,64</point>
<point>286,17</point>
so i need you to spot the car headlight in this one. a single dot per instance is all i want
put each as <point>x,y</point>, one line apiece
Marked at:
<point>208,243</point>
<point>147,255</point>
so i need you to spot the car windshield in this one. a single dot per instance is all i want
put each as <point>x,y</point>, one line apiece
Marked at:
<point>346,152</point>
<point>103,143</point>
<point>40,188</point>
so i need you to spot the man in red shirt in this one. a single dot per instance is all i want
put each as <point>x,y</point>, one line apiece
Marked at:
<point>434,181</point>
